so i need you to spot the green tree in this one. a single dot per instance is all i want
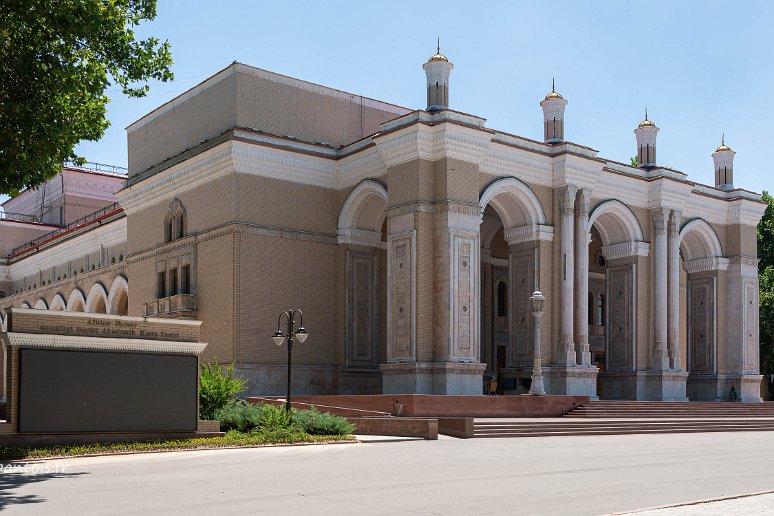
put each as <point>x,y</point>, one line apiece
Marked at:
<point>217,388</point>
<point>766,281</point>
<point>57,58</point>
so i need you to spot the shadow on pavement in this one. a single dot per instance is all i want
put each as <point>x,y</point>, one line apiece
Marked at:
<point>14,475</point>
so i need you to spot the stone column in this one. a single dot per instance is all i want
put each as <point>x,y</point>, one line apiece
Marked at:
<point>660,358</point>
<point>567,270</point>
<point>582,239</point>
<point>673,308</point>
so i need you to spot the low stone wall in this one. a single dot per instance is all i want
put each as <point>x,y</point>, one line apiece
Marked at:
<point>429,405</point>
<point>426,428</point>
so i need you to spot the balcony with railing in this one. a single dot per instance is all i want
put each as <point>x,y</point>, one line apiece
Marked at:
<point>181,306</point>
<point>98,167</point>
<point>18,217</point>
<point>74,224</point>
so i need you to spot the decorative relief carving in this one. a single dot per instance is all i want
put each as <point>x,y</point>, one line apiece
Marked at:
<point>620,284</point>
<point>464,296</point>
<point>361,306</point>
<point>523,285</point>
<point>751,327</point>
<point>701,325</point>
<point>401,297</point>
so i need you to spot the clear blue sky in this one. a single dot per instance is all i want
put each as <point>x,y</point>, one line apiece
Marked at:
<point>701,67</point>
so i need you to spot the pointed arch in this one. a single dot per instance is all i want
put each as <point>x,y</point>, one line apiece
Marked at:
<point>24,305</point>
<point>616,223</point>
<point>57,303</point>
<point>76,302</point>
<point>97,300</point>
<point>698,240</point>
<point>118,298</point>
<point>363,213</point>
<point>41,304</point>
<point>515,203</point>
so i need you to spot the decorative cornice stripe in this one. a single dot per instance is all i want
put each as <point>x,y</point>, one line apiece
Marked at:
<point>625,250</point>
<point>69,342</point>
<point>706,264</point>
<point>529,233</point>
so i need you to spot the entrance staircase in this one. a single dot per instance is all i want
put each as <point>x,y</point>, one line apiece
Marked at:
<point>636,417</point>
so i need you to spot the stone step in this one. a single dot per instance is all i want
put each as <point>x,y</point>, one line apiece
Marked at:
<point>619,431</point>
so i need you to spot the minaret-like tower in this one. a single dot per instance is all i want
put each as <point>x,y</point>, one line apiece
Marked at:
<point>553,116</point>
<point>437,69</point>
<point>724,166</point>
<point>646,143</point>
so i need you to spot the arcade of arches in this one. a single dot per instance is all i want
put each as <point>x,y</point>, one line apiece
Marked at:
<point>628,317</point>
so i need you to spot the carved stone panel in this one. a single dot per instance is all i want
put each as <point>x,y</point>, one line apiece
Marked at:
<point>620,320</point>
<point>701,325</point>
<point>465,338</point>
<point>401,298</point>
<point>362,321</point>
<point>522,286</point>
<point>751,327</point>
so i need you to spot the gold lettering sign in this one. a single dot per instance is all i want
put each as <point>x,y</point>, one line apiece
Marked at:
<point>99,327</point>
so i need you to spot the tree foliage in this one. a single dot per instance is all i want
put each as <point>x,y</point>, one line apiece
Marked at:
<point>217,388</point>
<point>57,58</point>
<point>766,281</point>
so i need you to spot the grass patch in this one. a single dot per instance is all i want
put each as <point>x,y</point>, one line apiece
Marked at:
<point>233,438</point>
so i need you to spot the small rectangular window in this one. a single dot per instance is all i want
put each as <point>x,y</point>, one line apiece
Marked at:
<point>173,282</point>
<point>185,280</point>
<point>161,285</point>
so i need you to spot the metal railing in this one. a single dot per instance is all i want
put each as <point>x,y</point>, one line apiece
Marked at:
<point>99,167</point>
<point>22,217</point>
<point>74,224</point>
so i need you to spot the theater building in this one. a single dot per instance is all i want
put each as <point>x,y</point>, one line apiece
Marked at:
<point>412,241</point>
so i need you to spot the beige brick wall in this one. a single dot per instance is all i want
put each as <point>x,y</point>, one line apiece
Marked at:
<point>275,274</point>
<point>201,117</point>
<point>242,99</point>
<point>284,205</point>
<point>208,206</point>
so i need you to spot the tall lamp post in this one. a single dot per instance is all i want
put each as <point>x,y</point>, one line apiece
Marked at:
<point>279,337</point>
<point>537,302</point>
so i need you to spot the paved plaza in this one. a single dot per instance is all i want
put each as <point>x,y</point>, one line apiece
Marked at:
<point>550,475</point>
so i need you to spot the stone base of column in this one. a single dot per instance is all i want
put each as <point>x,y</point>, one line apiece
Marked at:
<point>660,360</point>
<point>571,381</point>
<point>433,378</point>
<point>716,387</point>
<point>643,385</point>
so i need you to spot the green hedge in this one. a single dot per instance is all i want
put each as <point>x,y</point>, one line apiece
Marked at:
<point>246,417</point>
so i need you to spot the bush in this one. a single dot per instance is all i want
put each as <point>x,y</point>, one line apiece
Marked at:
<point>246,417</point>
<point>319,423</point>
<point>270,420</point>
<point>216,389</point>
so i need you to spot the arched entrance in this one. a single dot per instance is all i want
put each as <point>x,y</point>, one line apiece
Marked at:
<point>362,234</point>
<point>701,264</point>
<point>513,226</point>
<point>615,248</point>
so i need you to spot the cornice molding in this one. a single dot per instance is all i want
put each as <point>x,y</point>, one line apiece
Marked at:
<point>69,342</point>
<point>529,233</point>
<point>625,250</point>
<point>706,264</point>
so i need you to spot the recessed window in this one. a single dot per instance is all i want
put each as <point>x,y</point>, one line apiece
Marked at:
<point>173,282</point>
<point>59,278</point>
<point>161,285</point>
<point>113,260</point>
<point>120,257</point>
<point>93,267</point>
<point>185,279</point>
<point>502,299</point>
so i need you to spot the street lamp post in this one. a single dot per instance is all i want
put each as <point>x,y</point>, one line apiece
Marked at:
<point>537,302</point>
<point>279,337</point>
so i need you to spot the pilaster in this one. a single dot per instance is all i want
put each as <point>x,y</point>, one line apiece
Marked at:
<point>660,356</point>
<point>582,240</point>
<point>567,355</point>
<point>673,310</point>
